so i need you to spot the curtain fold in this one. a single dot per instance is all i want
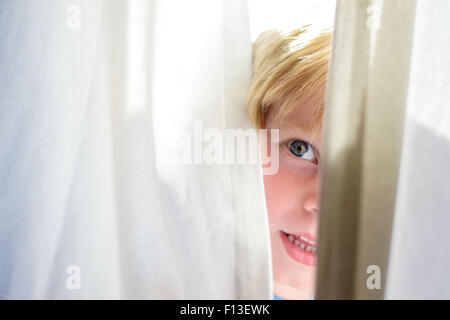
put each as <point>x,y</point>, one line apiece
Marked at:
<point>383,197</point>
<point>97,97</point>
<point>420,250</point>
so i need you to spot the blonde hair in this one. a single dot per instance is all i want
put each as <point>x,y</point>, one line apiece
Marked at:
<point>287,68</point>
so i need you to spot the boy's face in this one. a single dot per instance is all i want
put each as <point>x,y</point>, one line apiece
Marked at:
<point>292,203</point>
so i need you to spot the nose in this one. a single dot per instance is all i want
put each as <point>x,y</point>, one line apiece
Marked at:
<point>311,200</point>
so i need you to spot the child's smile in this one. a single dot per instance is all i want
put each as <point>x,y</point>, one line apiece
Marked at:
<point>301,248</point>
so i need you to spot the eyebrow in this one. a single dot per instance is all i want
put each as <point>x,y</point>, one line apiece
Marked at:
<point>294,129</point>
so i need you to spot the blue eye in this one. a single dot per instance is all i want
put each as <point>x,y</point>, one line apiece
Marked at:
<point>302,149</point>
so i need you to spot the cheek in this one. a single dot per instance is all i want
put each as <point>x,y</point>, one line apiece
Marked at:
<point>283,196</point>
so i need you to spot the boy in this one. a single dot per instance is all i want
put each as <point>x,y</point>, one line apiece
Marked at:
<point>287,93</point>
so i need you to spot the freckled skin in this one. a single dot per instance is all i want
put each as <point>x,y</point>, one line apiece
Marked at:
<point>292,203</point>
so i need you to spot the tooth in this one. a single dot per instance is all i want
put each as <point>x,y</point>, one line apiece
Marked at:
<point>303,238</point>
<point>314,250</point>
<point>302,246</point>
<point>297,242</point>
<point>308,248</point>
<point>291,238</point>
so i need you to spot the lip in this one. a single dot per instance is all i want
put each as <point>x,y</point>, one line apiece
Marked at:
<point>297,254</point>
<point>304,234</point>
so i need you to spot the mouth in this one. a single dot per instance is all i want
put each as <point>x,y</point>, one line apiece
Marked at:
<point>300,248</point>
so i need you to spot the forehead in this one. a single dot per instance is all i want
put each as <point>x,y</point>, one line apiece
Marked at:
<point>300,121</point>
<point>302,115</point>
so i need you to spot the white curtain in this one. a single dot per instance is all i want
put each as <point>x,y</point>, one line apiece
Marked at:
<point>385,192</point>
<point>93,97</point>
<point>420,252</point>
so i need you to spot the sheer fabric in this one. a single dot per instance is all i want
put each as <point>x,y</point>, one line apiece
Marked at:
<point>420,252</point>
<point>94,95</point>
<point>384,203</point>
